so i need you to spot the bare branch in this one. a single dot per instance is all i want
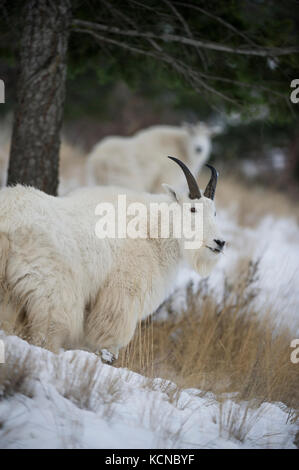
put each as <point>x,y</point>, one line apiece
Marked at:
<point>242,84</point>
<point>187,29</point>
<point>219,20</point>
<point>131,23</point>
<point>189,74</point>
<point>140,4</point>
<point>260,52</point>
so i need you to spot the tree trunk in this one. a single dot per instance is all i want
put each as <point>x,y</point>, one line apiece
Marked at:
<point>34,154</point>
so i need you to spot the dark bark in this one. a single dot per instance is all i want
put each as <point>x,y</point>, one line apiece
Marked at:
<point>34,155</point>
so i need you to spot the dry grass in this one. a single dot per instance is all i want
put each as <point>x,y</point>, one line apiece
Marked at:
<point>13,377</point>
<point>236,423</point>
<point>72,168</point>
<point>85,387</point>
<point>72,164</point>
<point>225,347</point>
<point>251,203</point>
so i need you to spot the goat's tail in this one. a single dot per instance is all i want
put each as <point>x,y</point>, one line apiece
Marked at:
<point>4,250</point>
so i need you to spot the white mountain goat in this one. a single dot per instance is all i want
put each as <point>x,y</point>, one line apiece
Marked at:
<point>69,287</point>
<point>138,162</point>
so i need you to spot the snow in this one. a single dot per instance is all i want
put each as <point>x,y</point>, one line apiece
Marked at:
<point>121,409</point>
<point>278,159</point>
<point>274,243</point>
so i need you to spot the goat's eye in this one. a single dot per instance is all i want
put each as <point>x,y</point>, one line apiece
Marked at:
<point>198,149</point>
<point>193,209</point>
<point>215,214</point>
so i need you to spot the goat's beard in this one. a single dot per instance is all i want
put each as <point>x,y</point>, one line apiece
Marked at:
<point>203,261</point>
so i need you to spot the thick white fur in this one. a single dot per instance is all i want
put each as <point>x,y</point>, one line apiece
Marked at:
<point>139,162</point>
<point>72,288</point>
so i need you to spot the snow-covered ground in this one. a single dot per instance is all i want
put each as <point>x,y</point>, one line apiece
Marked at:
<point>73,400</point>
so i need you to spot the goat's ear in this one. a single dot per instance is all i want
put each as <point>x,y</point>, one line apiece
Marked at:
<point>169,190</point>
<point>216,129</point>
<point>190,128</point>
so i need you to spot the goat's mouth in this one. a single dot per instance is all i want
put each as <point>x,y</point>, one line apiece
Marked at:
<point>215,250</point>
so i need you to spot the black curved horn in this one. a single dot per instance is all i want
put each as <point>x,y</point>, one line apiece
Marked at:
<point>194,191</point>
<point>211,186</point>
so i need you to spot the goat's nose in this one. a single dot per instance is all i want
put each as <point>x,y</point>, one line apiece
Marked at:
<point>220,243</point>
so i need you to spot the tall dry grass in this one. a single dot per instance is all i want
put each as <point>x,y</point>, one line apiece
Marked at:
<point>72,161</point>
<point>222,347</point>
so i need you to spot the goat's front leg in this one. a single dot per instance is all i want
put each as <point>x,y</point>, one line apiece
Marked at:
<point>112,321</point>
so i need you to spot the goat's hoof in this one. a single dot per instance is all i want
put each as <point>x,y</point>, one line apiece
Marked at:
<point>107,356</point>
